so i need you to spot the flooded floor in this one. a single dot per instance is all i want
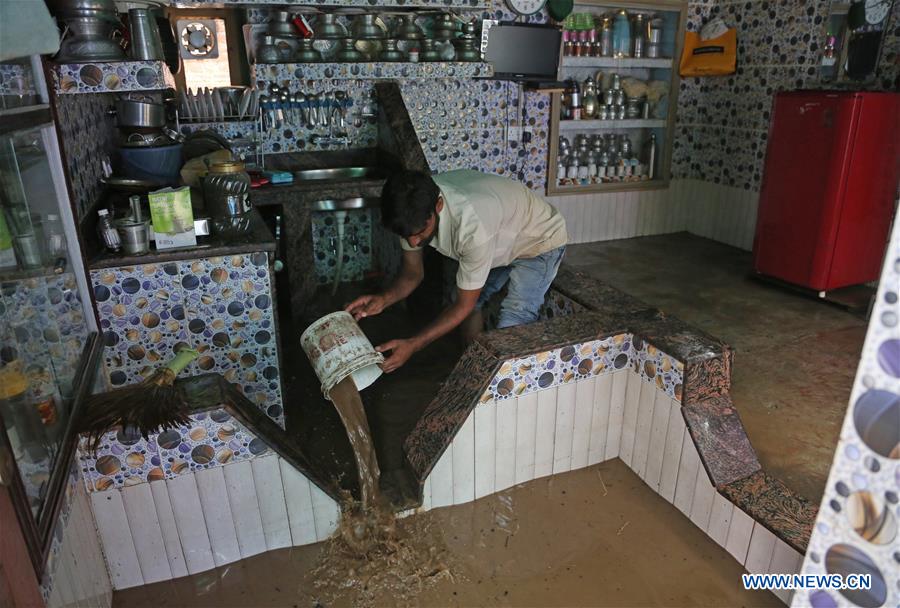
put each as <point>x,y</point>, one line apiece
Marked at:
<point>594,537</point>
<point>795,357</point>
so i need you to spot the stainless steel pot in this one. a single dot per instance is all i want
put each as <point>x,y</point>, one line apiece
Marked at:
<point>90,39</point>
<point>140,114</point>
<point>61,8</point>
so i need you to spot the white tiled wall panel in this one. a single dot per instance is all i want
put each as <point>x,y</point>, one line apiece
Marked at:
<point>464,463</point>
<point>662,409</point>
<point>600,419</point>
<point>545,432</point>
<point>194,522</point>
<point>442,480</point>
<point>505,457</point>
<point>646,405</point>
<point>78,573</point>
<point>485,450</point>
<point>722,213</point>
<point>629,418</point>
<point>672,453</point>
<point>565,428</point>
<point>619,390</point>
<point>526,436</point>
<point>759,553</point>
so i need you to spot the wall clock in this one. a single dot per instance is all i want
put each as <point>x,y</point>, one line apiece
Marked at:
<point>526,7</point>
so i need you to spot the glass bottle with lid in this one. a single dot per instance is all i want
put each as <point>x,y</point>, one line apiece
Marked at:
<point>621,35</point>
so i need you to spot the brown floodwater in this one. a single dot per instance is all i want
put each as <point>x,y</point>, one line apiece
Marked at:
<point>593,537</point>
<point>345,397</point>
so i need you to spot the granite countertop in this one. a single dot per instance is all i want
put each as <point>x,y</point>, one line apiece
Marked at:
<point>300,192</point>
<point>311,191</point>
<point>257,237</point>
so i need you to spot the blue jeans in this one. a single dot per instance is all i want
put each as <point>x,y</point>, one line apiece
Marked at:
<point>529,279</point>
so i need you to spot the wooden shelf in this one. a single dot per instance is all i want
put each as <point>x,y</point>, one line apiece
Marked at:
<point>265,72</point>
<point>19,119</point>
<point>639,123</point>
<point>111,77</point>
<point>673,14</point>
<point>612,62</point>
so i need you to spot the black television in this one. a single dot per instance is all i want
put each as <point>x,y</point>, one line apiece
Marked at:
<point>524,51</point>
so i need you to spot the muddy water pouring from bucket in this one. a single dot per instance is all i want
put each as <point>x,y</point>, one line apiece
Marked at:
<point>345,362</point>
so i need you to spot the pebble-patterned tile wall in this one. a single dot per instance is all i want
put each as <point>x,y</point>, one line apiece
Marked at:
<point>722,123</point>
<point>87,137</point>
<point>111,77</point>
<point>461,121</point>
<point>856,530</point>
<point>357,258</point>
<point>211,439</point>
<point>547,369</point>
<point>221,306</point>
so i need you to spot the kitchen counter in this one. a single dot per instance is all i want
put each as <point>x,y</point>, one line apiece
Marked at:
<point>256,238</point>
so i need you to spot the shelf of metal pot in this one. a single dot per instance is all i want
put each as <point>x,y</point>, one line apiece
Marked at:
<point>110,77</point>
<point>262,72</point>
<point>252,237</point>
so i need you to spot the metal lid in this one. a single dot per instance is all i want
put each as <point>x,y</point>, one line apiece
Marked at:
<point>230,166</point>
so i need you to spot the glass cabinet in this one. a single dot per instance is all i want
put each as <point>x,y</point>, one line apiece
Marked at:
<point>611,128</point>
<point>46,324</point>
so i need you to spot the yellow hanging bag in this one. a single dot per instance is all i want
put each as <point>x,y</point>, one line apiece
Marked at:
<point>714,57</point>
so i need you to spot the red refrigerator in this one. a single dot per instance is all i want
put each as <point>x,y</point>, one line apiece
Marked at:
<point>828,189</point>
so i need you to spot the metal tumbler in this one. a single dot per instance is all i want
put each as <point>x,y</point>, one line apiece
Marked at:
<point>146,43</point>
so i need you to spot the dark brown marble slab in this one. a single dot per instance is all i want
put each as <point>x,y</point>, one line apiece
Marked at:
<point>396,132</point>
<point>554,333</point>
<point>257,237</point>
<point>771,503</point>
<point>448,411</point>
<point>721,440</point>
<point>594,294</point>
<point>707,378</point>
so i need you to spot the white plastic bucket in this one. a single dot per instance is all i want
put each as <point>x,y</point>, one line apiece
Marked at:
<point>337,348</point>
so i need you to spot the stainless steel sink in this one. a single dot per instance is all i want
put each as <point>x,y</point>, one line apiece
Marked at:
<point>346,204</point>
<point>337,173</point>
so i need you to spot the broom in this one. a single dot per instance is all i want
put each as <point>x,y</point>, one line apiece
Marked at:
<point>152,405</point>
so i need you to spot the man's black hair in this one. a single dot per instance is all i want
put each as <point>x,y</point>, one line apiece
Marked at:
<point>407,202</point>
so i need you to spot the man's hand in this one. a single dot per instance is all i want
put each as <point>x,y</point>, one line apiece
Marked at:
<point>366,306</point>
<point>401,351</point>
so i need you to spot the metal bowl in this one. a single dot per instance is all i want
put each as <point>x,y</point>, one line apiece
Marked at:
<point>131,113</point>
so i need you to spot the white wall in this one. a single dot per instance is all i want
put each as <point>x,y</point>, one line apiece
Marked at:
<point>76,568</point>
<point>721,213</point>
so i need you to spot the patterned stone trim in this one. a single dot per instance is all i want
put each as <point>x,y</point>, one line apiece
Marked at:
<point>111,77</point>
